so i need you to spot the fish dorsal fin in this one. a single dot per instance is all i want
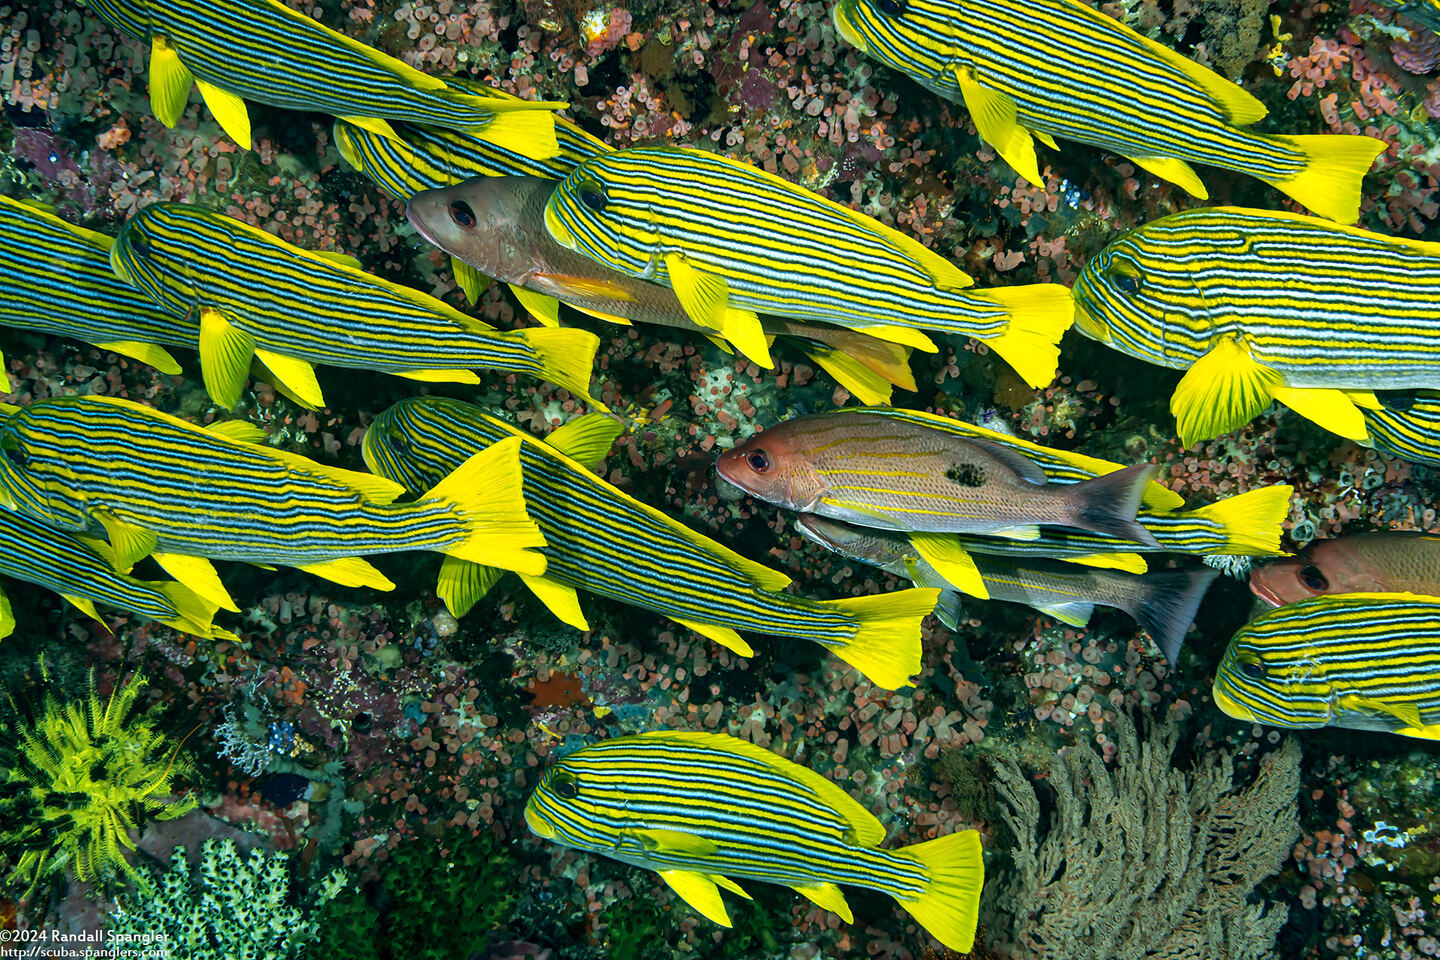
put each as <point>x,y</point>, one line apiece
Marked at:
<point>1428,248</point>
<point>199,576</point>
<point>674,843</point>
<point>225,355</point>
<point>151,353</point>
<point>952,561</point>
<point>296,375</point>
<point>84,604</point>
<point>586,439</point>
<point>130,543</point>
<point>335,256</point>
<point>565,286</point>
<point>544,308</point>
<point>170,81</point>
<point>229,111</point>
<point>471,281</point>
<point>827,896</point>
<point>1129,562</point>
<point>1237,106</point>
<point>371,487</point>
<point>1335,410</point>
<point>996,119</point>
<point>464,583</point>
<point>867,830</point>
<point>1177,172</point>
<point>1224,390</point>
<point>349,572</point>
<point>240,430</point>
<point>1027,469</point>
<point>706,299</point>
<point>42,207</point>
<point>1075,613</point>
<point>725,636</point>
<point>700,891</point>
<point>559,598</point>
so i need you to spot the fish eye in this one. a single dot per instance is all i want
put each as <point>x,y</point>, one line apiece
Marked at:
<point>13,453</point>
<point>1126,284</point>
<point>593,196</point>
<point>400,443</point>
<point>461,213</point>
<point>892,8</point>
<point>1313,578</point>
<point>566,786</point>
<point>1252,670</point>
<point>139,244</point>
<point>758,461</point>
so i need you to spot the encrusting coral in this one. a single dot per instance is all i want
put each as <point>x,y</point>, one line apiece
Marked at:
<point>1145,860</point>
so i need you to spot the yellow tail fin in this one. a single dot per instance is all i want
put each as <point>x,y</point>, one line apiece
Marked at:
<point>1252,522</point>
<point>886,644</point>
<point>1329,183</point>
<point>949,907</point>
<point>487,491</point>
<point>568,354</point>
<point>1039,316</point>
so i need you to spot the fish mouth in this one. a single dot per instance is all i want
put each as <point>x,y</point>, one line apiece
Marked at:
<point>1086,323</point>
<point>846,29</point>
<point>1265,593</point>
<point>556,227</point>
<point>1227,704</point>
<point>538,825</point>
<point>417,220</point>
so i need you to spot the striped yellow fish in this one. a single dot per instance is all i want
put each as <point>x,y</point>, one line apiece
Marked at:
<point>1366,661</point>
<point>1407,427</point>
<point>1262,306</point>
<point>261,50</point>
<point>1041,69</point>
<point>82,571</point>
<point>703,808</point>
<point>154,484</point>
<point>56,277</point>
<point>1163,603</point>
<point>601,540</point>
<point>732,240</point>
<point>259,297</point>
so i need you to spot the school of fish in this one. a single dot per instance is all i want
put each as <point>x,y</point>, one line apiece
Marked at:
<point>1337,323</point>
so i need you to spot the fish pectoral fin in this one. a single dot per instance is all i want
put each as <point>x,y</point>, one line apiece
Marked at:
<point>437,376</point>
<point>130,543</point>
<point>706,299</point>
<point>1075,613</point>
<point>674,842</point>
<point>562,285</point>
<point>464,583</point>
<point>225,355</point>
<point>84,604</point>
<point>698,890</point>
<point>1175,171</point>
<point>1335,410</point>
<point>151,353</point>
<point>7,616</point>
<point>237,430</point>
<point>1021,531</point>
<point>828,896</point>
<point>170,81</point>
<point>560,598</point>
<point>1045,138</point>
<point>1223,391</point>
<point>1129,562</point>
<point>298,376</point>
<point>229,111</point>
<point>864,384</point>
<point>377,126</point>
<point>199,575</point>
<point>544,308</point>
<point>471,281</point>
<point>1406,713</point>
<point>349,572</point>
<point>724,636</point>
<point>586,439</point>
<point>1027,469</point>
<point>994,114</point>
<point>951,561</point>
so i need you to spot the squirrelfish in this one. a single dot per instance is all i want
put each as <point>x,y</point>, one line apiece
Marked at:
<point>154,484</point>
<point>703,809</point>
<point>261,50</point>
<point>259,297</point>
<point>1163,603</point>
<point>602,540</point>
<point>1359,563</point>
<point>1041,69</point>
<point>56,277</point>
<point>1366,661</point>
<point>1262,306</point>
<point>1406,425</point>
<point>495,225</point>
<point>734,241</point>
<point>82,571</point>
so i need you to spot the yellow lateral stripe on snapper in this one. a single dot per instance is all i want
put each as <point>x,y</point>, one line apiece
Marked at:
<point>1367,661</point>
<point>1253,301</point>
<point>79,462</point>
<point>1059,68</point>
<point>55,277</point>
<point>262,50</point>
<point>706,808</point>
<point>601,540</point>
<point>783,250</point>
<point>258,293</point>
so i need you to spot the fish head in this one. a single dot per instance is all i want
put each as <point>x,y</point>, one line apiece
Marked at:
<point>579,804</point>
<point>487,222</point>
<point>904,34</point>
<point>1325,566</point>
<point>771,466</point>
<point>150,254</point>
<point>1269,675</point>
<point>413,442</point>
<point>605,208</point>
<point>35,478</point>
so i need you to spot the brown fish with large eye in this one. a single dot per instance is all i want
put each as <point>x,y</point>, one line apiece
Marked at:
<point>1360,563</point>
<point>895,474</point>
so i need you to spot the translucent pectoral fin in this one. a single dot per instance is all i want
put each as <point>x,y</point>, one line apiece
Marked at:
<point>674,843</point>
<point>84,604</point>
<point>724,636</point>
<point>994,116</point>
<point>464,583</point>
<point>1076,614</point>
<point>698,890</point>
<point>170,82</point>
<point>468,279</point>
<point>129,544</point>
<point>229,111</point>
<point>1223,391</point>
<point>297,377</point>
<point>199,575</point>
<point>586,439</point>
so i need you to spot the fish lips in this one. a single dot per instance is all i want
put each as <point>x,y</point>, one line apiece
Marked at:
<point>414,212</point>
<point>538,825</point>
